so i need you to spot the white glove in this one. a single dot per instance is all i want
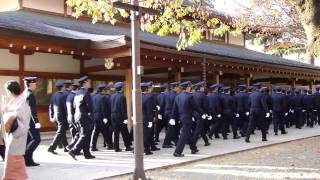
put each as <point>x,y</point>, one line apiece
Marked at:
<point>247,113</point>
<point>267,115</point>
<point>315,110</point>
<point>37,126</point>
<point>219,115</point>
<point>209,118</point>
<point>203,116</point>
<point>193,119</point>
<point>125,121</point>
<point>172,122</point>
<point>150,125</point>
<point>158,107</point>
<point>270,111</point>
<point>303,110</point>
<point>52,120</point>
<point>237,115</point>
<point>159,116</point>
<point>105,120</point>
<point>285,114</point>
<point>292,111</point>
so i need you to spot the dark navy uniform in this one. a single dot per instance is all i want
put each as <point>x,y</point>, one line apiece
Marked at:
<point>100,118</point>
<point>317,104</point>
<point>109,123</point>
<point>119,117</point>
<point>258,111</point>
<point>201,101</point>
<point>278,110</point>
<point>33,139</point>
<point>58,112</point>
<point>308,104</point>
<point>183,108</point>
<point>173,130</point>
<point>228,113</point>
<point>242,110</point>
<point>297,100</point>
<point>74,127</point>
<point>83,115</point>
<point>162,122</point>
<point>215,110</point>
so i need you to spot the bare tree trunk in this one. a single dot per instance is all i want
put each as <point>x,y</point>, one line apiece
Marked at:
<point>309,11</point>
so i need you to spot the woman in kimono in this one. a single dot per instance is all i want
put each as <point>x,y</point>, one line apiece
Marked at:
<point>16,117</point>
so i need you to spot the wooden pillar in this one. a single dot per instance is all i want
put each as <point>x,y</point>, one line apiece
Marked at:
<point>177,76</point>
<point>216,78</point>
<point>81,67</point>
<point>248,79</point>
<point>21,70</point>
<point>204,70</point>
<point>128,94</point>
<point>311,85</point>
<point>293,83</point>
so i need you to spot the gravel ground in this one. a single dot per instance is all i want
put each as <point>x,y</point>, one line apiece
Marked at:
<point>293,160</point>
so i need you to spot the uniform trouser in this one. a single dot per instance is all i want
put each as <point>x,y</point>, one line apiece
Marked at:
<point>298,118</point>
<point>317,116</point>
<point>216,126</point>
<point>75,132</point>
<point>310,118</point>
<point>2,151</point>
<point>33,142</point>
<point>161,123</point>
<point>60,137</point>
<point>256,118</point>
<point>147,137</point>
<point>100,127</point>
<point>242,123</point>
<point>83,142</point>
<point>228,118</point>
<point>172,132</point>
<point>278,121</point>
<point>186,136</point>
<point>199,131</point>
<point>120,127</point>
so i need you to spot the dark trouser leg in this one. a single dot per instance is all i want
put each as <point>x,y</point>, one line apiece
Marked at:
<point>198,130</point>
<point>251,124</point>
<point>125,134</point>
<point>87,139</point>
<point>2,151</point>
<point>160,125</point>
<point>60,135</point>
<point>217,126</point>
<point>146,138</point>
<point>225,125</point>
<point>184,137</point>
<point>276,122</point>
<point>116,133</point>
<point>282,122</point>
<point>33,142</point>
<point>96,130</point>
<point>262,124</point>
<point>169,134</point>
<point>109,134</point>
<point>234,126</point>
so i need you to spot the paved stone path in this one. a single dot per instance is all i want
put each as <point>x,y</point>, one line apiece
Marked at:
<point>109,163</point>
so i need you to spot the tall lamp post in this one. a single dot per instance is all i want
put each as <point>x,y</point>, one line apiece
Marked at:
<point>137,71</point>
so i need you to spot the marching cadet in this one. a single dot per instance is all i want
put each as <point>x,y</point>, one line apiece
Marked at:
<point>161,108</point>
<point>83,115</point>
<point>119,117</point>
<point>297,108</point>
<point>108,126</point>
<point>278,110</point>
<point>242,109</point>
<point>73,125</point>
<point>172,132</point>
<point>215,110</point>
<point>317,105</point>
<point>183,108</point>
<point>148,107</point>
<point>201,101</point>
<point>58,114</point>
<point>228,113</point>
<point>304,113</point>
<point>100,118</point>
<point>308,102</point>
<point>258,112</point>
<point>34,139</point>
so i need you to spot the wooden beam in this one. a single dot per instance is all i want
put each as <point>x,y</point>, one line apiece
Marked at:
<point>110,53</point>
<point>9,73</point>
<point>155,71</point>
<point>98,68</point>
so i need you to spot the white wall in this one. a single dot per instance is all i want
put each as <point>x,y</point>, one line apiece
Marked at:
<point>56,6</point>
<point>9,5</point>
<point>93,62</point>
<point>3,80</point>
<point>236,40</point>
<point>8,61</point>
<point>45,62</point>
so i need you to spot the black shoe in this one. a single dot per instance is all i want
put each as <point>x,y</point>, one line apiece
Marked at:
<point>66,149</point>
<point>207,144</point>
<point>178,155</point>
<point>89,156</point>
<point>73,155</point>
<point>167,146</point>
<point>94,149</point>
<point>30,164</point>
<point>156,140</point>
<point>210,137</point>
<point>217,137</point>
<point>194,151</point>
<point>148,153</point>
<point>284,132</point>
<point>104,145</point>
<point>298,127</point>
<point>264,139</point>
<point>225,138</point>
<point>117,150</point>
<point>60,146</point>
<point>155,148</point>
<point>247,140</point>
<point>236,137</point>
<point>129,149</point>
<point>52,151</point>
<point>110,148</point>
<point>78,154</point>
<point>276,133</point>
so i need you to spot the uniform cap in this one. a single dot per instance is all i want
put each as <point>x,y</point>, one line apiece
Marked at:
<point>59,84</point>
<point>118,85</point>
<point>101,87</point>
<point>30,79</point>
<point>225,88</point>
<point>174,84</point>
<point>186,84</point>
<point>163,87</point>
<point>83,79</point>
